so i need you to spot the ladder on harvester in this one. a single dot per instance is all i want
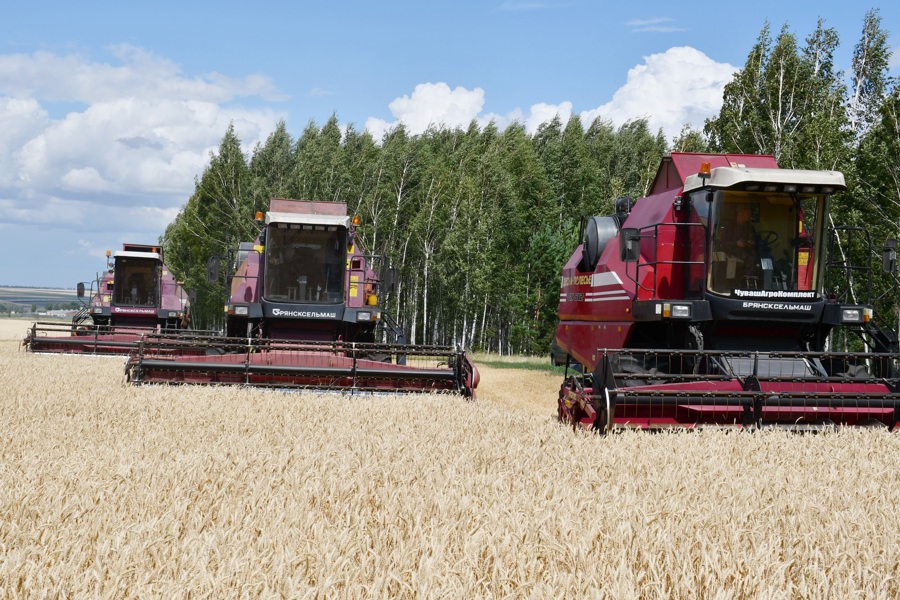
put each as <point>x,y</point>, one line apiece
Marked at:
<point>79,317</point>
<point>848,277</point>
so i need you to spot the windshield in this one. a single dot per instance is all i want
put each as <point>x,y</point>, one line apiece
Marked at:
<point>305,263</point>
<point>135,282</point>
<point>764,241</point>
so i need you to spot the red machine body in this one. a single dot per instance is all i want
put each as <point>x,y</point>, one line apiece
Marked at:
<point>304,310</point>
<point>137,294</point>
<point>705,303</point>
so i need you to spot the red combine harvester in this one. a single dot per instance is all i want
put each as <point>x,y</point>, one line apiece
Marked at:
<point>136,295</point>
<point>304,312</point>
<point>721,299</point>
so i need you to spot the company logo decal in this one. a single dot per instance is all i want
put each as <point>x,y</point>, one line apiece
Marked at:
<point>134,311</point>
<point>305,314</point>
<point>776,294</point>
<point>609,280</point>
<point>777,306</point>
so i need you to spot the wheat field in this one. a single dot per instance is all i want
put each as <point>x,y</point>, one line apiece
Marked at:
<point>112,491</point>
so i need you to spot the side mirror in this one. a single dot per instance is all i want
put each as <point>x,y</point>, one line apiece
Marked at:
<point>212,269</point>
<point>79,289</point>
<point>889,256</point>
<point>629,244</point>
<point>192,296</point>
<point>390,280</point>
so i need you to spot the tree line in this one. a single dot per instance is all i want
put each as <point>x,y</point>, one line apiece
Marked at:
<point>479,221</point>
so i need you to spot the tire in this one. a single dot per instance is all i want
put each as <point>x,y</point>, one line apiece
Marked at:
<point>605,409</point>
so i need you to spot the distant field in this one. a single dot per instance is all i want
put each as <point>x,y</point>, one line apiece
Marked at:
<point>41,296</point>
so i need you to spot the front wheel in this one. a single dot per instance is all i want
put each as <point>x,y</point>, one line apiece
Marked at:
<point>605,408</point>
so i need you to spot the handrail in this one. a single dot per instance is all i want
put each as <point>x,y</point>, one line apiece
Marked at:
<point>655,262</point>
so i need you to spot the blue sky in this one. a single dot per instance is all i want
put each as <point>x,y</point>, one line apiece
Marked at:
<point>109,111</point>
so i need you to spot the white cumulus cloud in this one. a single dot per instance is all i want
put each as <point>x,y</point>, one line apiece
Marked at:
<point>106,149</point>
<point>20,118</point>
<point>435,104</point>
<point>137,128</point>
<point>99,149</point>
<point>542,112</point>
<point>71,77</point>
<point>431,104</point>
<point>670,89</point>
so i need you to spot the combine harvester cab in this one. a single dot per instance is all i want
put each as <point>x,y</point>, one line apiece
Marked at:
<point>723,298</point>
<point>137,294</point>
<point>304,311</point>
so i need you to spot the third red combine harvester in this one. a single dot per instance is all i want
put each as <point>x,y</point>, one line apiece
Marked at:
<point>304,311</point>
<point>137,294</point>
<point>723,298</point>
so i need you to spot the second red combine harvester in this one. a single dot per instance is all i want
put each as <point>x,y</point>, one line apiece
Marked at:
<point>137,294</point>
<point>721,299</point>
<point>304,310</point>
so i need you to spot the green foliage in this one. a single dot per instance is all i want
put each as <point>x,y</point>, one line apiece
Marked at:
<point>787,102</point>
<point>271,167</point>
<point>548,249</point>
<point>217,217</point>
<point>792,102</point>
<point>690,140</point>
<point>878,189</point>
<point>478,222</point>
<point>871,58</point>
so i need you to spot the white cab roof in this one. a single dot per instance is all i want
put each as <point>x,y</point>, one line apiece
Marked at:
<point>130,254</point>
<point>727,177</point>
<point>307,219</point>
